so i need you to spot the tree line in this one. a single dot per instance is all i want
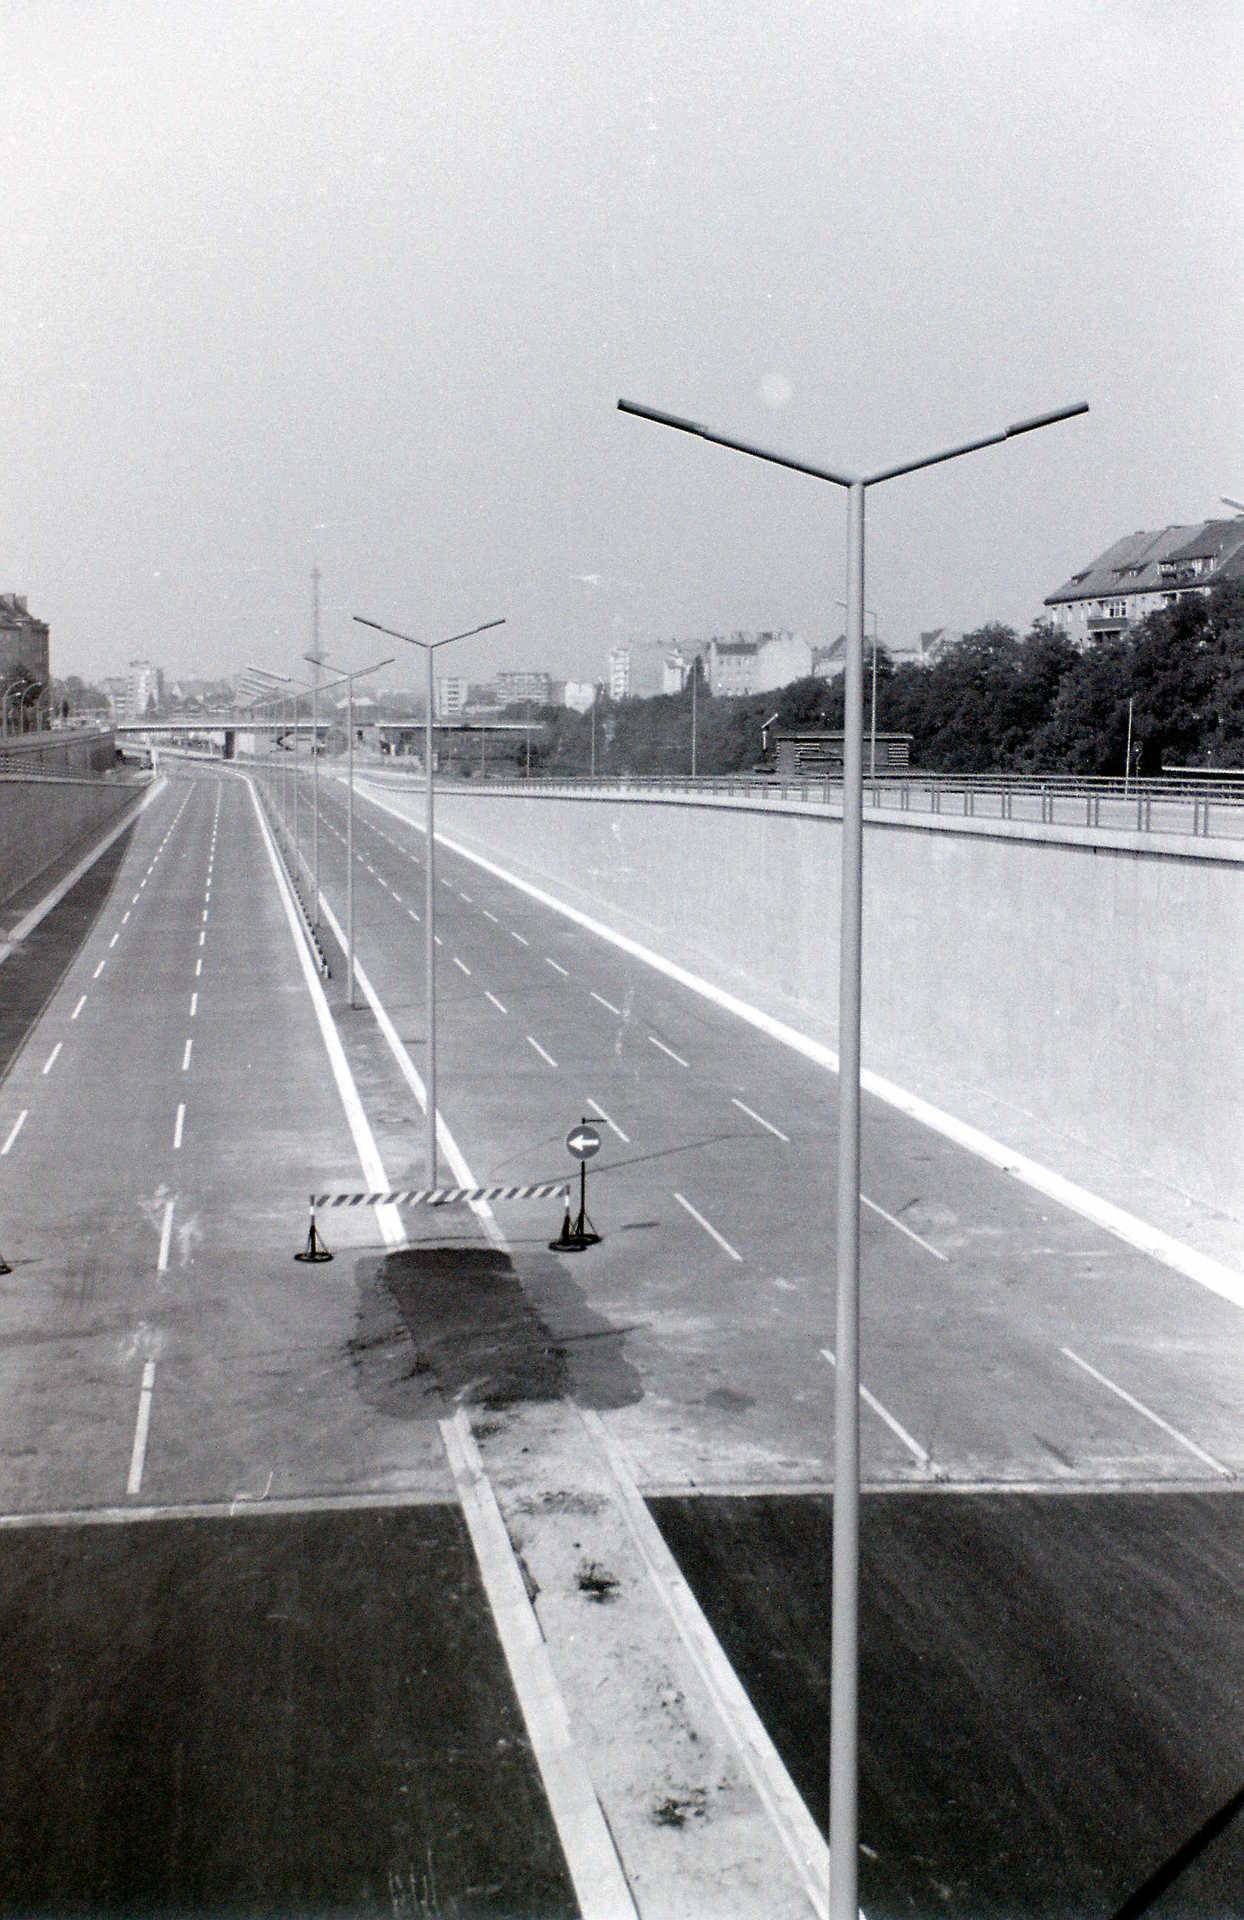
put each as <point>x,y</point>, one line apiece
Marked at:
<point>994,702</point>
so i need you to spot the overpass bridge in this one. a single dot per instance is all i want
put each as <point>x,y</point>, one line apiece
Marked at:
<point>396,736</point>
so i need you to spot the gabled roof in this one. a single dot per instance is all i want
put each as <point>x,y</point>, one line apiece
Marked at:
<point>1135,563</point>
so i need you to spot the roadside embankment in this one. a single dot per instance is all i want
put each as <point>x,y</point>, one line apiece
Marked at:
<point>1073,994</point>
<point>43,817</point>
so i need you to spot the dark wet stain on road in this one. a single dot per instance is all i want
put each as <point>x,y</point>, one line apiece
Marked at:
<point>439,1325</point>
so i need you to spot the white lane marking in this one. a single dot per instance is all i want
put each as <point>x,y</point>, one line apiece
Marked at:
<point>519,938</point>
<point>397,896</point>
<point>599,1882</point>
<point>903,1228</point>
<point>708,1227</point>
<point>1113,1387</point>
<point>496,1003</point>
<point>490,916</point>
<point>185,1058</point>
<point>540,1050</point>
<point>194,1005</point>
<point>438,940</point>
<point>125,916</point>
<point>180,1123</point>
<point>166,1235</point>
<point>99,969</point>
<point>134,901</point>
<point>412,913</point>
<point>600,1111</point>
<point>139,1453</point>
<point>15,1129</point>
<point>463,965</point>
<point>198,967</point>
<point>466,897</point>
<point>77,1010</point>
<point>664,1049</point>
<point>883,1413</point>
<point>605,1003</point>
<point>784,1804</point>
<point>202,939</point>
<point>564,971</point>
<point>760,1120</point>
<point>50,1062</point>
<point>205,914</point>
<point>1206,1272</point>
<point>112,943</point>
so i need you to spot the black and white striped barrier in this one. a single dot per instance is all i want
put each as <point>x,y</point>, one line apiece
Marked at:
<point>440,1196</point>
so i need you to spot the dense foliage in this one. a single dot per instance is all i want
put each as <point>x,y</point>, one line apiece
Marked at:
<point>992,703</point>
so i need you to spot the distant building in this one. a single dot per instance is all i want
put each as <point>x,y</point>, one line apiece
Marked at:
<point>143,684</point>
<point>758,663</point>
<point>451,695</point>
<point>579,695</point>
<point>620,673</point>
<point>513,687</point>
<point>23,640</point>
<point>1144,572</point>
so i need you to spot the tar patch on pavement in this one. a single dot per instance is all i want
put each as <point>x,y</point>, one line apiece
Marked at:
<point>436,1326</point>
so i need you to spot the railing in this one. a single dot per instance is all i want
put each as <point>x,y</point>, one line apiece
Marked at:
<point>1203,805</point>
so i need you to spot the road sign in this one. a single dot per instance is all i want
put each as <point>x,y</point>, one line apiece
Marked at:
<point>583,1141</point>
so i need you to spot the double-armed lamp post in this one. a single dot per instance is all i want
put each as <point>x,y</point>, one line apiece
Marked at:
<point>844,1673</point>
<point>429,889</point>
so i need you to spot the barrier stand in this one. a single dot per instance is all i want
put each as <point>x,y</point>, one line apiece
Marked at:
<point>582,1141</point>
<point>315,1250</point>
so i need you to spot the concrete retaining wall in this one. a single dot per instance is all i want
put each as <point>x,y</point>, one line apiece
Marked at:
<point>43,819</point>
<point>1020,981</point>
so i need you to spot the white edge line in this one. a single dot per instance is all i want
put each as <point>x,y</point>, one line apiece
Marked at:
<point>599,1882</point>
<point>799,1833</point>
<point>1131,1400</point>
<point>43,907</point>
<point>708,1227</point>
<point>883,1413</point>
<point>1207,1272</point>
<point>911,1235</point>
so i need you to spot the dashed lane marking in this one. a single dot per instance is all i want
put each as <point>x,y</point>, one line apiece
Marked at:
<point>557,968</point>
<point>664,1049</point>
<point>1139,1406</point>
<point>142,1425</point>
<point>77,1010</point>
<point>496,1003</point>
<point>166,1236</point>
<point>490,916</point>
<point>185,1058</point>
<point>15,1129</point>
<point>760,1119</point>
<point>125,916</point>
<point>179,1124</point>
<point>99,969</point>
<point>463,965</point>
<point>198,967</point>
<point>112,943</point>
<point>708,1227</point>
<point>903,1228</point>
<point>540,1050</point>
<point>194,1005</point>
<point>50,1062</point>
<point>519,938</point>
<point>883,1413</point>
<point>597,1109</point>
<point>608,1004</point>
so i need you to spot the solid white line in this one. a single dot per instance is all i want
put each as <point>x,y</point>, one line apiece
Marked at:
<point>540,1050</point>
<point>181,1121</point>
<point>935,1251</point>
<point>77,1010</point>
<point>496,1003</point>
<point>519,938</point>
<point>16,1128</point>
<point>1158,1421</point>
<point>798,1832</point>
<point>463,965</point>
<point>883,1413</point>
<point>669,1050</point>
<point>137,1457</point>
<point>707,1227</point>
<point>599,1882</point>
<point>597,1109</point>
<point>760,1120</point>
<point>605,1003</point>
<point>194,1005</point>
<point>564,971</point>
<point>50,1062</point>
<point>166,1235</point>
<point>185,1058</point>
<point>1209,1273</point>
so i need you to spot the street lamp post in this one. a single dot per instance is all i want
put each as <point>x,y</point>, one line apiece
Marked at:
<point>695,674</point>
<point>15,692</point>
<point>429,891</point>
<point>315,742</point>
<point>844,1675</point>
<point>359,673</point>
<point>872,757</point>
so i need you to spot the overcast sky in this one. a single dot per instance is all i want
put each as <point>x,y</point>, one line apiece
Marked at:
<point>360,281</point>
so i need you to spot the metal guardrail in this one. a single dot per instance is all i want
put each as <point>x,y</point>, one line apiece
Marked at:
<point>1203,806</point>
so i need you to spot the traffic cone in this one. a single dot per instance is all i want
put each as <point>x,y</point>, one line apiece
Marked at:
<point>315,1250</point>
<point>566,1237</point>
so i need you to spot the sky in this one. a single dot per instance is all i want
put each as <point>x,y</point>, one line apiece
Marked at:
<point>358,283</point>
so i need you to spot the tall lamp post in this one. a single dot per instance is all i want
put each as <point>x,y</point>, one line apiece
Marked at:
<point>15,692</point>
<point>318,660</point>
<point>287,680</point>
<point>844,1674</point>
<point>429,870</point>
<point>872,757</point>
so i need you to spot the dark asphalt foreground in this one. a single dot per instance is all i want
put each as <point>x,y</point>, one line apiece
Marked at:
<point>264,1715</point>
<point>1052,1688</point>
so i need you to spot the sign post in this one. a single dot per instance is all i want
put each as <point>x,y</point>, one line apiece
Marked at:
<point>582,1142</point>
